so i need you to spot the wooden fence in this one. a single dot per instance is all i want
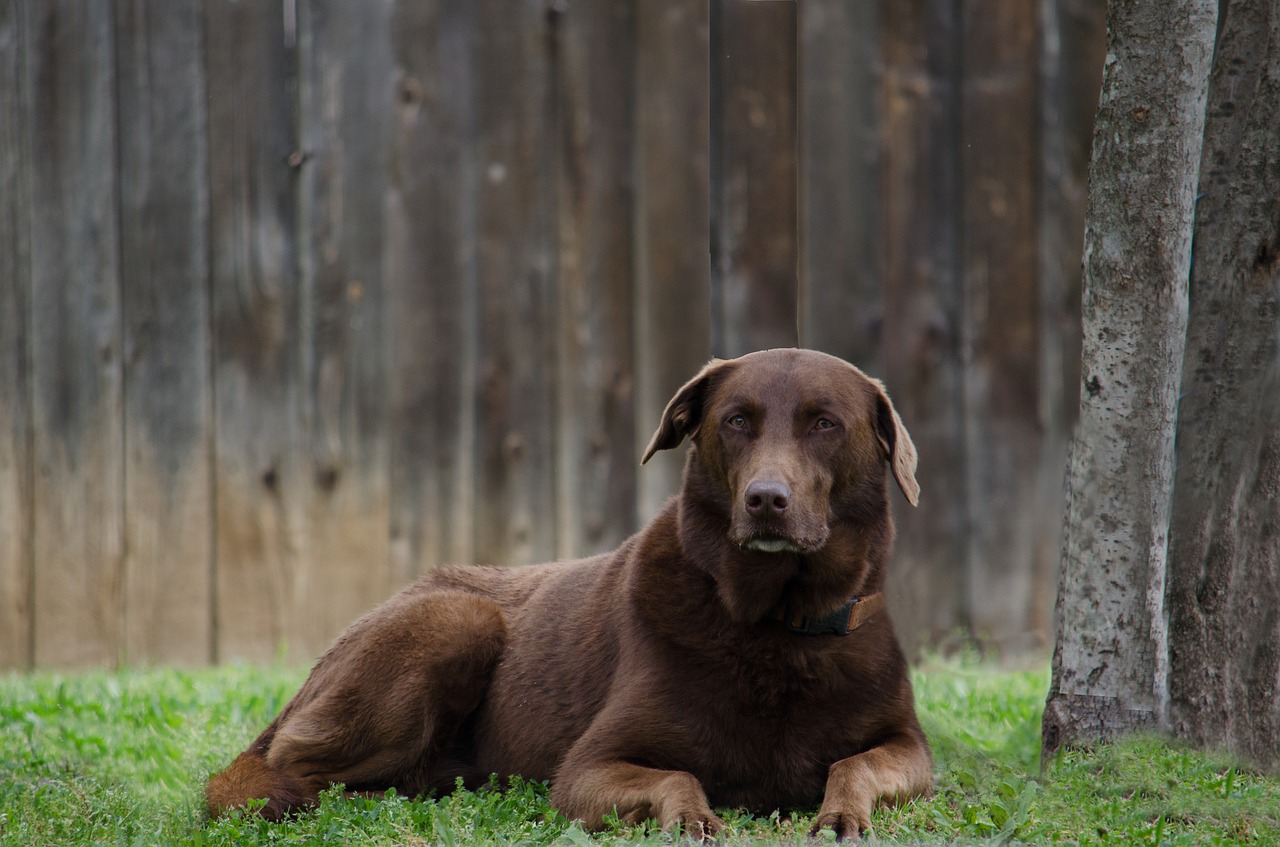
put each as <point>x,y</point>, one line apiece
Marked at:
<point>300,299</point>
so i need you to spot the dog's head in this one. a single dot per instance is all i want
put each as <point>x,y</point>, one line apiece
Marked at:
<point>788,443</point>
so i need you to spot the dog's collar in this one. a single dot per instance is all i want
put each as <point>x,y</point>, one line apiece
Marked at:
<point>842,621</point>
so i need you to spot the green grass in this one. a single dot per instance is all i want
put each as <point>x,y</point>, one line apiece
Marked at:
<point>120,759</point>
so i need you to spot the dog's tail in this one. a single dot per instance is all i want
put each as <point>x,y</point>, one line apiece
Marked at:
<point>250,777</point>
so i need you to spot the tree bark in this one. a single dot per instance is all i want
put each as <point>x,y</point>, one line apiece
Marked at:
<point>1224,544</point>
<point>1110,663</point>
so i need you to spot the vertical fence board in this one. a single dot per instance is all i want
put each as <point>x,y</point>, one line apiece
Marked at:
<point>594,112</point>
<point>168,510</point>
<point>672,206</point>
<point>515,438</point>
<point>1074,34</point>
<point>76,371</point>
<point>431,280</point>
<point>1010,566</point>
<point>260,478</point>
<point>921,342</point>
<point>15,338</point>
<point>1072,49</point>
<point>753,174</point>
<point>841,305</point>
<point>346,94</point>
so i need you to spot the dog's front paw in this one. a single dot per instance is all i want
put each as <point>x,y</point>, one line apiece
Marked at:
<point>845,824</point>
<point>682,803</point>
<point>701,825</point>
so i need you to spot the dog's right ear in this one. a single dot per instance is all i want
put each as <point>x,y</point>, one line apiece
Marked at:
<point>897,445</point>
<point>683,414</point>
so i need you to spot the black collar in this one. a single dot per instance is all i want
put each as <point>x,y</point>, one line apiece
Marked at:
<point>842,621</point>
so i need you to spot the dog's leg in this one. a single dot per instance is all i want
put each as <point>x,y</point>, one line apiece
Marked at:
<point>893,772</point>
<point>377,708</point>
<point>636,794</point>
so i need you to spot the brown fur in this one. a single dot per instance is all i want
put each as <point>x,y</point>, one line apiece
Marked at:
<point>655,680</point>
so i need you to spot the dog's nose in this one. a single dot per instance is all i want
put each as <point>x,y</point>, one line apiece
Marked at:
<point>767,498</point>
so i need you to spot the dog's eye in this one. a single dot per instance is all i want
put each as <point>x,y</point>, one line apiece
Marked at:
<point>824,423</point>
<point>737,422</point>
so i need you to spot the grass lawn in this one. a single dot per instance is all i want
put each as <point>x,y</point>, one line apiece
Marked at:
<point>120,758</point>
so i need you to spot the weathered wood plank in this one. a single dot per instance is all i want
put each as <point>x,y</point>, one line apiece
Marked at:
<point>1011,560</point>
<point>515,501</point>
<point>593,62</point>
<point>16,566</point>
<point>1074,47</point>
<point>76,350</point>
<point>168,403</point>
<point>672,207</point>
<point>261,477</point>
<point>922,321</point>
<point>841,305</point>
<point>430,278</point>
<point>346,95</point>
<point>753,175</point>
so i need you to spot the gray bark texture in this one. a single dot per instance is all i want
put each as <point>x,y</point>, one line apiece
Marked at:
<point>1110,662</point>
<point>1224,546</point>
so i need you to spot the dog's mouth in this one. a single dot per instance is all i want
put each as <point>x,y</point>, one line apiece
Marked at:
<point>772,545</point>
<point>779,544</point>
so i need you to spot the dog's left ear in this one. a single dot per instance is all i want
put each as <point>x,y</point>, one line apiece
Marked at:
<point>683,414</point>
<point>896,444</point>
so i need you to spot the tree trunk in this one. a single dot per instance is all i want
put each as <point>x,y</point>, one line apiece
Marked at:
<point>1224,543</point>
<point>1109,667</point>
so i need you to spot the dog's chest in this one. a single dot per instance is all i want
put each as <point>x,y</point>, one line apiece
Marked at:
<point>764,732</point>
<point>765,755</point>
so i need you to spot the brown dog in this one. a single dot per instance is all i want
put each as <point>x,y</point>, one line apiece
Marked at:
<point>735,652</point>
